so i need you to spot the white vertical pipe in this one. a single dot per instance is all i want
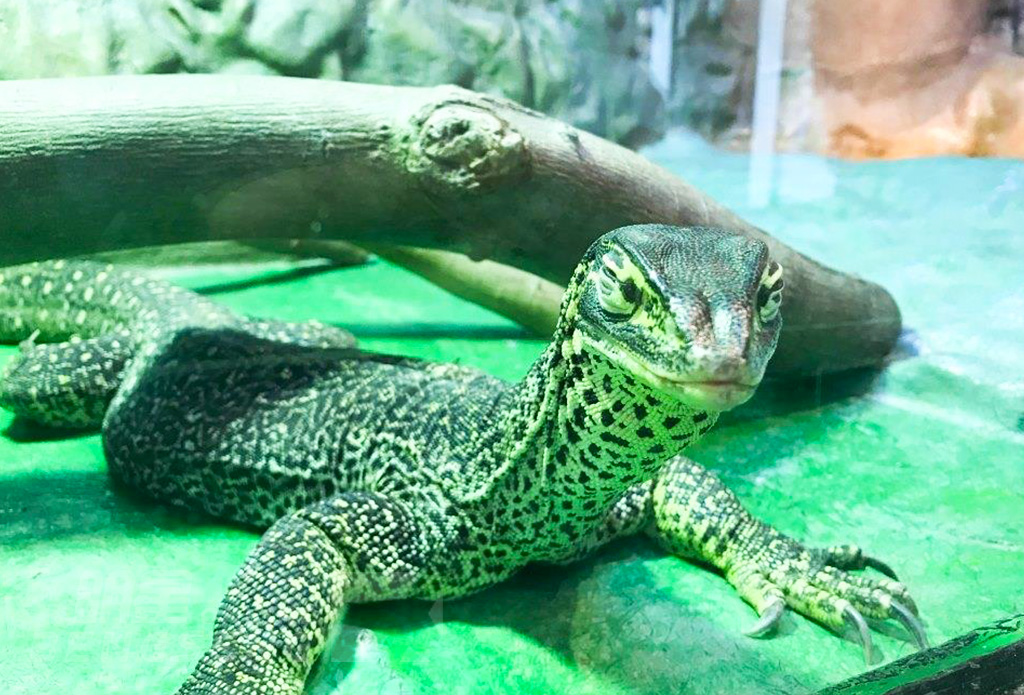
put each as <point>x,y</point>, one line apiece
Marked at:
<point>662,42</point>
<point>771,28</point>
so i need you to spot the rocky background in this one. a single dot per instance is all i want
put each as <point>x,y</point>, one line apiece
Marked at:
<point>583,61</point>
<point>928,44</point>
<point>588,62</point>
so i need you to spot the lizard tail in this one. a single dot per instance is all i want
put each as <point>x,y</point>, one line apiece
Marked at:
<point>90,318</point>
<point>55,301</point>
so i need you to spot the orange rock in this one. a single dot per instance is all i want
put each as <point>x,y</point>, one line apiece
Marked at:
<point>915,78</point>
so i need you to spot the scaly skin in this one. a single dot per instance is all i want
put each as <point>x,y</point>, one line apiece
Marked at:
<point>107,314</point>
<point>382,477</point>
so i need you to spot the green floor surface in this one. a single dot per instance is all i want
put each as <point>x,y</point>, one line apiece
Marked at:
<point>924,465</point>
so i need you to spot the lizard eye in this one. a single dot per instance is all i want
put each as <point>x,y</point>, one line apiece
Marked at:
<point>769,294</point>
<point>619,298</point>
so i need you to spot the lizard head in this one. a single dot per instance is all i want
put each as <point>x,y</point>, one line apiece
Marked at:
<point>692,312</point>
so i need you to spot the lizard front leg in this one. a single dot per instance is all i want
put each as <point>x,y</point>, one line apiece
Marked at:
<point>275,618</point>
<point>695,515</point>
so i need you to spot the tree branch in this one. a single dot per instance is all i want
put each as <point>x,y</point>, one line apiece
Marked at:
<point>95,164</point>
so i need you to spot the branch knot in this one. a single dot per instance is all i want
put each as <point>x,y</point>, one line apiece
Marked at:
<point>465,146</point>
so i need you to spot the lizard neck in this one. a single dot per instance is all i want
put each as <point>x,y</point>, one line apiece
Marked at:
<point>580,431</point>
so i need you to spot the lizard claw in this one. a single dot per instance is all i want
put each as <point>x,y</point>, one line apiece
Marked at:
<point>879,566</point>
<point>910,621</point>
<point>856,620</point>
<point>851,557</point>
<point>821,584</point>
<point>769,619</point>
<point>28,343</point>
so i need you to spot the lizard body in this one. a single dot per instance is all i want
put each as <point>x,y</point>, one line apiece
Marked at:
<point>383,477</point>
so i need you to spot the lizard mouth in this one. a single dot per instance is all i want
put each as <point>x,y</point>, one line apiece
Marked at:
<point>715,394</point>
<point>714,389</point>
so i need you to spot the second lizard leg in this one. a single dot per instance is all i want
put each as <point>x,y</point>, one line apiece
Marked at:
<point>695,515</point>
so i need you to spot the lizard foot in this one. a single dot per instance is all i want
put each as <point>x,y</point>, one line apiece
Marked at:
<point>818,583</point>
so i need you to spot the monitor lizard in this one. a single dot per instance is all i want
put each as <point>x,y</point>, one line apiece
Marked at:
<point>379,477</point>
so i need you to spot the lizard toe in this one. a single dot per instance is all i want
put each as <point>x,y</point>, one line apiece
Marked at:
<point>768,620</point>
<point>827,592</point>
<point>757,590</point>
<point>820,584</point>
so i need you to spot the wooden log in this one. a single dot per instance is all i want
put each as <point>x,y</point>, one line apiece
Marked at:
<point>988,660</point>
<point>96,164</point>
<point>527,299</point>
